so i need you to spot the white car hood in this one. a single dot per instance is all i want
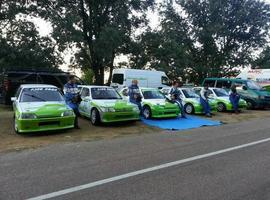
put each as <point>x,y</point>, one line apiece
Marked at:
<point>34,106</point>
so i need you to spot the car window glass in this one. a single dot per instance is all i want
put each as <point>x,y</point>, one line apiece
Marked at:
<point>104,93</point>
<point>50,79</point>
<point>152,94</point>
<point>189,93</point>
<point>40,95</point>
<point>220,92</point>
<point>165,80</point>
<point>118,78</point>
<point>210,83</point>
<point>85,92</point>
<point>223,84</point>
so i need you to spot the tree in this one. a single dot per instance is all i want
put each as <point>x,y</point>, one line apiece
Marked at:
<point>263,61</point>
<point>99,30</point>
<point>200,38</point>
<point>21,44</point>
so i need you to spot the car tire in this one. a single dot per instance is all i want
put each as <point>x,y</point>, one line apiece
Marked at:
<point>250,104</point>
<point>15,125</point>
<point>189,108</point>
<point>221,107</point>
<point>95,117</point>
<point>147,114</point>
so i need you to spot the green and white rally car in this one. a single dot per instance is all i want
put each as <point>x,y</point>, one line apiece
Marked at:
<point>104,104</point>
<point>155,104</point>
<point>191,100</point>
<point>222,99</point>
<point>41,107</point>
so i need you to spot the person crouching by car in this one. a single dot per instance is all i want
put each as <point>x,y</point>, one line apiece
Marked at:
<point>135,95</point>
<point>205,101</point>
<point>72,97</point>
<point>176,97</point>
<point>234,98</point>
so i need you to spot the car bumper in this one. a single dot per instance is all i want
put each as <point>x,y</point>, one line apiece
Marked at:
<point>199,109</point>
<point>107,117</point>
<point>46,124</point>
<point>165,113</point>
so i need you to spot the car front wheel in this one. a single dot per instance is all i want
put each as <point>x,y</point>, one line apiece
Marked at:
<point>15,125</point>
<point>221,107</point>
<point>95,117</point>
<point>147,112</point>
<point>189,108</point>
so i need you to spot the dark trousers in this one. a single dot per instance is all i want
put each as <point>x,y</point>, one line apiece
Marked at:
<point>234,99</point>
<point>181,107</point>
<point>75,109</point>
<point>139,104</point>
<point>205,105</point>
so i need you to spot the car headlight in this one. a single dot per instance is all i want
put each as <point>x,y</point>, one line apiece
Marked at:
<point>107,109</point>
<point>28,116</point>
<point>67,113</point>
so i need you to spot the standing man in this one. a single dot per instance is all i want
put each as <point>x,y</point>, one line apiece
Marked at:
<point>205,101</point>
<point>176,97</point>
<point>135,95</point>
<point>72,97</point>
<point>234,99</point>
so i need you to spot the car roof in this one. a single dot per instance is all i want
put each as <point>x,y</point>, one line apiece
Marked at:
<point>37,85</point>
<point>94,86</point>
<point>226,79</point>
<point>146,88</point>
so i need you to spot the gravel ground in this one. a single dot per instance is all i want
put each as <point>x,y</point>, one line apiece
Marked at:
<point>9,141</point>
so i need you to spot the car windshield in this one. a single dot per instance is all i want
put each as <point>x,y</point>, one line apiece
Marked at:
<point>41,94</point>
<point>220,92</point>
<point>253,85</point>
<point>104,93</point>
<point>152,94</point>
<point>189,93</point>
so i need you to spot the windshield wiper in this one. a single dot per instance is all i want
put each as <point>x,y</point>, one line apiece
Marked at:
<point>36,97</point>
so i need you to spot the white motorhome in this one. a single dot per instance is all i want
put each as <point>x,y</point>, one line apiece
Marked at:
<point>147,78</point>
<point>261,76</point>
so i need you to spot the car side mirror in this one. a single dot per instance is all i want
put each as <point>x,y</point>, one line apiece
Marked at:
<point>13,98</point>
<point>244,87</point>
<point>211,95</point>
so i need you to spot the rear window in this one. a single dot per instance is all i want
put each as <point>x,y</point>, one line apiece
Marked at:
<point>50,79</point>
<point>118,78</point>
<point>40,95</point>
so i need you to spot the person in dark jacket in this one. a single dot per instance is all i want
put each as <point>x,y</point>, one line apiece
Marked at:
<point>72,97</point>
<point>135,94</point>
<point>204,93</point>
<point>176,97</point>
<point>234,99</point>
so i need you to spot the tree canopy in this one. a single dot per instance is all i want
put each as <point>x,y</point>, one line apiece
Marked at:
<point>20,42</point>
<point>195,38</point>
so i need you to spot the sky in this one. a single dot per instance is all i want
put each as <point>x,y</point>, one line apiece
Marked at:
<point>45,29</point>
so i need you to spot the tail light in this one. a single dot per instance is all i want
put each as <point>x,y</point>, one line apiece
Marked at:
<point>7,85</point>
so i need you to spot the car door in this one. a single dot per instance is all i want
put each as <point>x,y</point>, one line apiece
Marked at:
<point>83,107</point>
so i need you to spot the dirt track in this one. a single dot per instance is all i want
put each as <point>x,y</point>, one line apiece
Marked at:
<point>9,141</point>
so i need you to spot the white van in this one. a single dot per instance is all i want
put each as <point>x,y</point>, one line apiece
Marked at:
<point>261,76</point>
<point>123,77</point>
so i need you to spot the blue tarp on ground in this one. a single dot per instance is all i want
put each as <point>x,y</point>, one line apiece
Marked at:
<point>181,123</point>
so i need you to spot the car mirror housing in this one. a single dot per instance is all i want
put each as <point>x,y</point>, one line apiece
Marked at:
<point>13,98</point>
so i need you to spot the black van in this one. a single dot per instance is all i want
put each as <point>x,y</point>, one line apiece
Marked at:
<point>11,80</point>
